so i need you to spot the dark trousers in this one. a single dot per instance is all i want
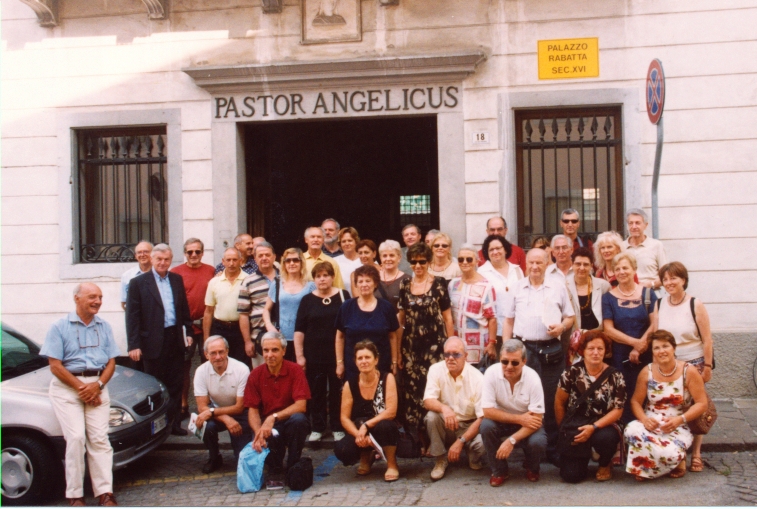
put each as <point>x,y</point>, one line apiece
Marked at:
<point>326,397</point>
<point>550,376</point>
<point>493,432</point>
<point>169,369</point>
<point>214,427</point>
<point>233,335</point>
<point>604,441</point>
<point>292,435</point>
<point>386,434</point>
<point>630,374</point>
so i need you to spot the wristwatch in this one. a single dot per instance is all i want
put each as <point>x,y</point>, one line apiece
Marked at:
<point>212,411</point>
<point>275,416</point>
<point>101,384</point>
<point>462,439</point>
<point>512,440</point>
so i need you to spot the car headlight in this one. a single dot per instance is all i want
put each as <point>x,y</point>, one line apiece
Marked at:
<point>119,417</point>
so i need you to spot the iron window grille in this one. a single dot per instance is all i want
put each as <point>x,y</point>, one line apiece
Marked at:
<point>416,209</point>
<point>122,191</point>
<point>569,158</point>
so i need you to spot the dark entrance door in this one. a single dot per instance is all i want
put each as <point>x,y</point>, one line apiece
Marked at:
<point>373,174</point>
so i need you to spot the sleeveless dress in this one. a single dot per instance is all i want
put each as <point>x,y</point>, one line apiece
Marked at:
<point>654,454</point>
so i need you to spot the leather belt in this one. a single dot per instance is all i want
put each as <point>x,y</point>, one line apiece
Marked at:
<point>90,372</point>
<point>227,324</point>
<point>538,341</point>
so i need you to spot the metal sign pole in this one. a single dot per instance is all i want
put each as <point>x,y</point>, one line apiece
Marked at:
<point>656,180</point>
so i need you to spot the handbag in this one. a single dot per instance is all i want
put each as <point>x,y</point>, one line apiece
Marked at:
<point>551,353</point>
<point>569,427</point>
<point>407,445</point>
<point>702,424</point>
<point>300,475</point>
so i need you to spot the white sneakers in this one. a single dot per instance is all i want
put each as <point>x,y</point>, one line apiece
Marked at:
<point>338,435</point>
<point>440,468</point>
<point>315,436</point>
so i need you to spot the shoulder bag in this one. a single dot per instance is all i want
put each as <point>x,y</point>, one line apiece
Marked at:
<point>702,424</point>
<point>575,419</point>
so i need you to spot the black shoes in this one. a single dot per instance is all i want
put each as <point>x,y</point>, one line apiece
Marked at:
<point>178,430</point>
<point>212,465</point>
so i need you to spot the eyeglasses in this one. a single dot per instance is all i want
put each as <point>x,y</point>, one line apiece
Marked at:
<point>454,355</point>
<point>445,246</point>
<point>418,262</point>
<point>505,362</point>
<point>191,252</point>
<point>292,260</point>
<point>464,259</point>
<point>561,248</point>
<point>573,221</point>
<point>78,338</point>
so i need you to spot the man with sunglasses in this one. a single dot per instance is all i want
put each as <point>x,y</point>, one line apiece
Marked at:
<point>513,407</point>
<point>570,222</point>
<point>81,351</point>
<point>498,226</point>
<point>453,400</point>
<point>539,313</point>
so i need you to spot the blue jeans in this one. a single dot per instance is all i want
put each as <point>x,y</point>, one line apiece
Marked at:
<point>292,435</point>
<point>215,427</point>
<point>493,432</point>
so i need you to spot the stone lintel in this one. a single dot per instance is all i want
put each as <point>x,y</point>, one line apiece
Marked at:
<point>356,72</point>
<point>272,6</point>
<point>156,9</point>
<point>46,11</point>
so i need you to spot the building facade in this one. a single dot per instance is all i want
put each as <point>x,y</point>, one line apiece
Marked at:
<point>132,119</point>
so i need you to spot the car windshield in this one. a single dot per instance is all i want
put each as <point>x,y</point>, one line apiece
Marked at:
<point>19,355</point>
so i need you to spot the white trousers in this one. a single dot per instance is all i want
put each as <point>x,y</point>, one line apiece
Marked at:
<point>85,429</point>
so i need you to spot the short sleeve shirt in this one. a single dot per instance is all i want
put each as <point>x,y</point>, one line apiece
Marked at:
<point>461,394</point>
<point>195,284</point>
<point>526,395</point>
<point>223,390</point>
<point>126,278</point>
<point>472,307</point>
<point>531,306</point>
<point>650,257</point>
<point>611,394</point>
<point>80,347</point>
<point>224,295</point>
<point>252,294</point>
<point>269,394</point>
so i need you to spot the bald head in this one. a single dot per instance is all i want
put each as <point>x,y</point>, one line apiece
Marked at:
<point>88,298</point>
<point>536,265</point>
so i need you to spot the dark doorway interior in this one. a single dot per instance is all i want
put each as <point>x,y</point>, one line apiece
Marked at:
<point>373,174</point>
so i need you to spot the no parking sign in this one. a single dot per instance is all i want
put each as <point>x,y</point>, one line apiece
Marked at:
<point>655,91</point>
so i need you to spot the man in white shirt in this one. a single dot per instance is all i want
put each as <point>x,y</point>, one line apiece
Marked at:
<point>453,401</point>
<point>219,391</point>
<point>562,249</point>
<point>142,253</point>
<point>539,314</point>
<point>650,254</point>
<point>513,407</point>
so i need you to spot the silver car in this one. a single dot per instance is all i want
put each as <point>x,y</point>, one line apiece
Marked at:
<point>33,448</point>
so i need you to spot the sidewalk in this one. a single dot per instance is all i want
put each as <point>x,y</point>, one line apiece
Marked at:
<point>735,430</point>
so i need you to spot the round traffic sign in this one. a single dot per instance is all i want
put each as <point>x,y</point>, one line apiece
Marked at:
<point>655,91</point>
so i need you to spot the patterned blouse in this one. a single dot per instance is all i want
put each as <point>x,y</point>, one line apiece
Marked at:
<point>472,307</point>
<point>610,395</point>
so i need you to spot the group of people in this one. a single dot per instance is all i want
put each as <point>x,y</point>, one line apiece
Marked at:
<point>411,342</point>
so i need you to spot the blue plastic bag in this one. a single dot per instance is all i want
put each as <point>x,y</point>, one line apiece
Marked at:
<point>250,469</point>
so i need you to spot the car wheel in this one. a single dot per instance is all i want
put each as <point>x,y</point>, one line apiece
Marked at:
<point>28,470</point>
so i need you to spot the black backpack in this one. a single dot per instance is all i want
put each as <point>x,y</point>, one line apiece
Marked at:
<point>300,475</point>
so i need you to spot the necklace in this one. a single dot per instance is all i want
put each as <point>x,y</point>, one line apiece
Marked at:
<point>670,300</point>
<point>370,384</point>
<point>396,276</point>
<point>675,367</point>
<point>624,294</point>
<point>443,268</point>
<point>601,368</point>
<point>588,295</point>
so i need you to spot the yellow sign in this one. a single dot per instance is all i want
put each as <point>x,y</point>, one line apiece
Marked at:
<point>562,59</point>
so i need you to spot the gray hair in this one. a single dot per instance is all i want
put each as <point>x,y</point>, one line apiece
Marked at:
<point>411,226</point>
<point>390,245</point>
<point>433,232</point>
<point>274,335</point>
<point>193,240</point>
<point>238,238</point>
<point>211,339</point>
<point>560,237</point>
<point>265,244</point>
<point>504,222</point>
<point>331,219</point>
<point>570,211</point>
<point>239,253</point>
<point>637,212</point>
<point>144,242</point>
<point>467,247</point>
<point>456,338</point>
<point>314,228</point>
<point>161,248</point>
<point>514,345</point>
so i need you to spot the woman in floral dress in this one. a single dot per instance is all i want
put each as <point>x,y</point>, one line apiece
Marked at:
<point>424,311</point>
<point>659,438</point>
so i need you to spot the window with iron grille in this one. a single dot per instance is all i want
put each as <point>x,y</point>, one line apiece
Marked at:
<point>416,209</point>
<point>569,158</point>
<point>122,191</point>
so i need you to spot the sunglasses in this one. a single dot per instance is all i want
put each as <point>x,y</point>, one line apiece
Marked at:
<point>464,259</point>
<point>191,252</point>
<point>445,246</point>
<point>454,355</point>
<point>505,362</point>
<point>418,262</point>
<point>291,260</point>
<point>573,221</point>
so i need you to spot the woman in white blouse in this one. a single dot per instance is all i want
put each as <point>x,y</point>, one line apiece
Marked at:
<point>585,291</point>
<point>442,264</point>
<point>501,274</point>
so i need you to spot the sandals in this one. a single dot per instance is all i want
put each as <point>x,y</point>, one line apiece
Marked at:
<point>640,478</point>
<point>679,471</point>
<point>604,473</point>
<point>697,465</point>
<point>365,466</point>
<point>391,475</point>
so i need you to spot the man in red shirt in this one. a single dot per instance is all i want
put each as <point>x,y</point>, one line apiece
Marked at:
<point>196,276</point>
<point>277,394</point>
<point>498,226</point>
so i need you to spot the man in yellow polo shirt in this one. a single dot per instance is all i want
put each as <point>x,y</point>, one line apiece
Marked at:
<point>221,317</point>
<point>314,240</point>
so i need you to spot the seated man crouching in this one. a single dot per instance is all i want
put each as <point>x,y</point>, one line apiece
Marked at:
<point>219,391</point>
<point>513,403</point>
<point>277,394</point>
<point>453,401</point>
